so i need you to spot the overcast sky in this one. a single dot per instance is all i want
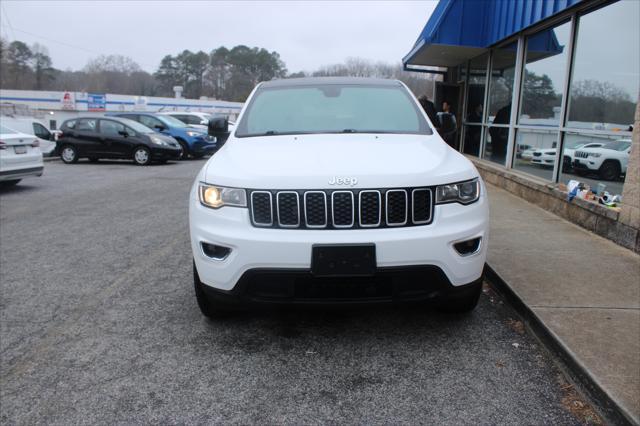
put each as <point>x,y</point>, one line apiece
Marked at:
<point>307,35</point>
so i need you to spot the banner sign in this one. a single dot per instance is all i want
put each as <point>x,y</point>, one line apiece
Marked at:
<point>96,102</point>
<point>68,101</point>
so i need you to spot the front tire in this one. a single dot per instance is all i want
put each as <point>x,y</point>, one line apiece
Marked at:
<point>185,150</point>
<point>142,156</point>
<point>210,308</point>
<point>463,303</point>
<point>69,154</point>
<point>610,170</point>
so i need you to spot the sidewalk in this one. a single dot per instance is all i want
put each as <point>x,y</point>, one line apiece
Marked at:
<point>584,288</point>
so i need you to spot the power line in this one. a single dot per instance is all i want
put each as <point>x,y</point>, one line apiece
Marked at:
<point>6,17</point>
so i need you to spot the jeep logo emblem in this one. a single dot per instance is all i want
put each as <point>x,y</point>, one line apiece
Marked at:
<point>337,180</point>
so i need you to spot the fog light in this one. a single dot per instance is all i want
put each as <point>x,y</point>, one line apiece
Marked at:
<point>215,252</point>
<point>466,248</point>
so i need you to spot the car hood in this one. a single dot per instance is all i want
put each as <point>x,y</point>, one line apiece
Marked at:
<point>311,161</point>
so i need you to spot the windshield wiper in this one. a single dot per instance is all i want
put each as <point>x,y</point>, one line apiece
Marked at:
<point>270,133</point>
<point>349,131</point>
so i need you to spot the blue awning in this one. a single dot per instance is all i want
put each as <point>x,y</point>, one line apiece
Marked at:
<point>459,30</point>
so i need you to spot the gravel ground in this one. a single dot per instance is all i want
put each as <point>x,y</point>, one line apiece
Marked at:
<point>99,324</point>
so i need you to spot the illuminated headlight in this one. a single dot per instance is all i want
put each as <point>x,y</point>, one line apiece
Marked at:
<point>192,134</point>
<point>217,196</point>
<point>159,141</point>
<point>462,192</point>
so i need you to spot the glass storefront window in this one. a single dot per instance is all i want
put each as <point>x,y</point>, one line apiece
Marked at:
<point>598,161</point>
<point>501,85</point>
<point>535,152</point>
<point>472,134</point>
<point>475,92</point>
<point>544,74</point>
<point>606,73</point>
<point>500,91</point>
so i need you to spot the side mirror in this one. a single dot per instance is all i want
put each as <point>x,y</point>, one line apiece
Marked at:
<point>204,122</point>
<point>219,129</point>
<point>123,133</point>
<point>159,127</point>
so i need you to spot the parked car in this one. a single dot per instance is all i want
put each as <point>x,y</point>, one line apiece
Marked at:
<point>544,157</point>
<point>570,152</point>
<point>32,126</point>
<point>113,137</point>
<point>609,161</point>
<point>194,142</point>
<point>19,156</point>
<point>200,120</point>
<point>354,200</point>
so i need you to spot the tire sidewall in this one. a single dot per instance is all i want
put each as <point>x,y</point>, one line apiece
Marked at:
<point>75,156</point>
<point>142,148</point>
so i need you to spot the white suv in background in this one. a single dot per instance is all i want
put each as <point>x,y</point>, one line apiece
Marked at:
<point>609,161</point>
<point>336,190</point>
<point>32,126</point>
<point>19,156</point>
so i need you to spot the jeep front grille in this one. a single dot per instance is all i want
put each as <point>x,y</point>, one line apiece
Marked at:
<point>341,209</point>
<point>582,154</point>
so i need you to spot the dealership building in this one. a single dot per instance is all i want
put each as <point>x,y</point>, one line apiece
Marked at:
<point>545,93</point>
<point>54,107</point>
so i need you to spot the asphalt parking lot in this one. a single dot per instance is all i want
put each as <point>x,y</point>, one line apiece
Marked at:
<point>99,325</point>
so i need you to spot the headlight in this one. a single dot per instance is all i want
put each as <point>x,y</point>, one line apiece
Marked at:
<point>159,141</point>
<point>462,192</point>
<point>194,134</point>
<point>594,154</point>
<point>217,196</point>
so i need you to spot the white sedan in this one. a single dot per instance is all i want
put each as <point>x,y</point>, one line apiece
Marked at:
<point>20,156</point>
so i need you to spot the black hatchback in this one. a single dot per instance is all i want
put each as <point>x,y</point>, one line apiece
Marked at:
<point>112,137</point>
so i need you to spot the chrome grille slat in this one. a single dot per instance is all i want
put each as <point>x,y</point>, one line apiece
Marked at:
<point>308,213</point>
<point>365,223</point>
<point>286,208</point>
<point>341,209</point>
<point>340,223</point>
<point>394,206</point>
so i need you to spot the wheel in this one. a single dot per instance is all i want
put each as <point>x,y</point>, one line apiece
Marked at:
<point>9,183</point>
<point>185,150</point>
<point>93,159</point>
<point>610,170</point>
<point>464,302</point>
<point>69,154</point>
<point>141,156</point>
<point>210,308</point>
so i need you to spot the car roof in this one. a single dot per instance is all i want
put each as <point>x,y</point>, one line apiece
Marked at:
<point>311,81</point>
<point>107,117</point>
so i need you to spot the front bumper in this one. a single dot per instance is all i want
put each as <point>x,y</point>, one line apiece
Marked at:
<point>166,153</point>
<point>259,248</point>
<point>301,287</point>
<point>584,164</point>
<point>203,147</point>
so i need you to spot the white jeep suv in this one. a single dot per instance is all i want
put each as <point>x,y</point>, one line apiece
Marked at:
<point>336,190</point>
<point>609,161</point>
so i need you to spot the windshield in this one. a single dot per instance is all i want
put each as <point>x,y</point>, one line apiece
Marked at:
<point>171,121</point>
<point>137,127</point>
<point>332,108</point>
<point>574,144</point>
<point>618,145</point>
<point>6,130</point>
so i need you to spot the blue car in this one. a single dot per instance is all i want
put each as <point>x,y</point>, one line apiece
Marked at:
<point>194,142</point>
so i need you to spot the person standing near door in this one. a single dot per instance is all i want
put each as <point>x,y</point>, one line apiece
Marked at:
<point>449,126</point>
<point>430,109</point>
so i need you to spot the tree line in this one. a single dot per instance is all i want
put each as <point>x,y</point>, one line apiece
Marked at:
<point>227,74</point>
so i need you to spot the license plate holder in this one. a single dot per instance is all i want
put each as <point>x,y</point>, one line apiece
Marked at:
<point>20,149</point>
<point>343,260</point>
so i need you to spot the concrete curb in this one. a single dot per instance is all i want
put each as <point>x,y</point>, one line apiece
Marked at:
<point>611,410</point>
